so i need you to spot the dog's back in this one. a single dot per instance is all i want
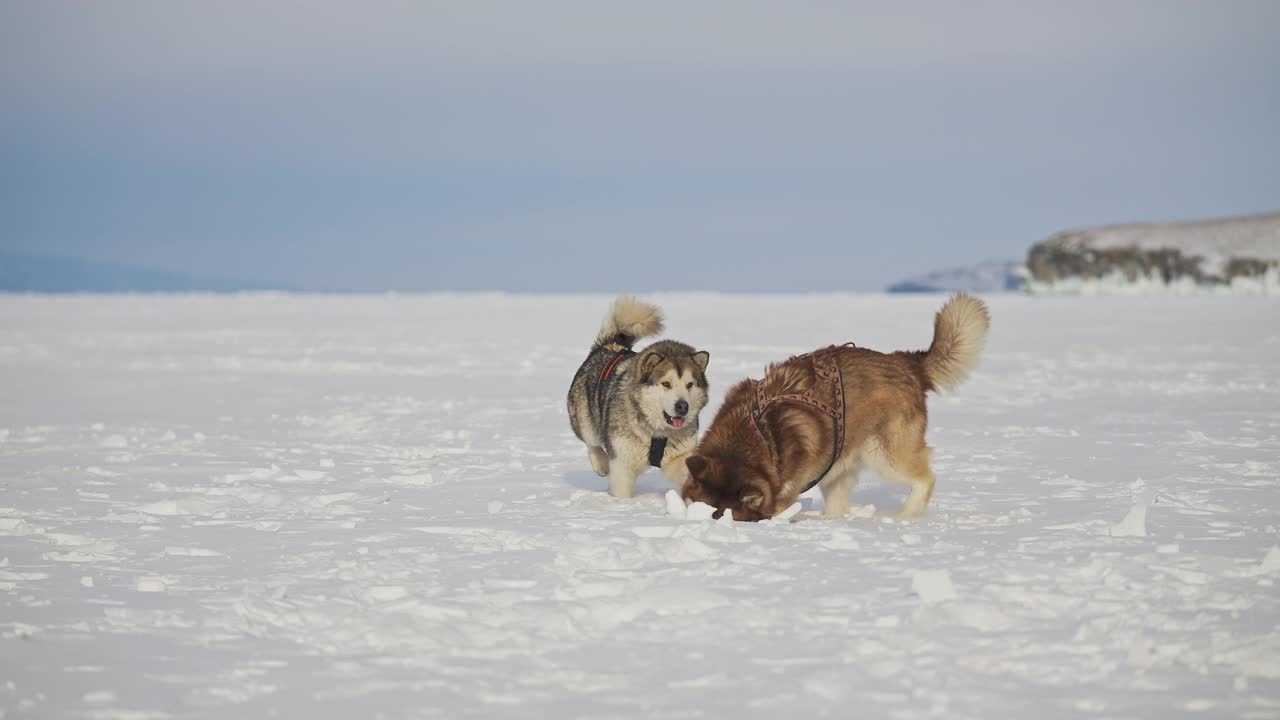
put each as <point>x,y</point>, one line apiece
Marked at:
<point>879,412</point>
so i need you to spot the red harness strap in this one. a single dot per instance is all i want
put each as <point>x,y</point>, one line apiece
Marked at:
<point>608,370</point>
<point>822,370</point>
<point>657,445</point>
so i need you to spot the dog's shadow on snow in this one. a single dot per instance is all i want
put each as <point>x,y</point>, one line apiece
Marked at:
<point>646,484</point>
<point>885,497</point>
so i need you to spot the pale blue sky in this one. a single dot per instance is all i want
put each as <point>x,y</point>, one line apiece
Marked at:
<point>609,146</point>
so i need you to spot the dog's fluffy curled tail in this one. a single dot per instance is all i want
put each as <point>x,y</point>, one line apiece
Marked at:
<point>959,334</point>
<point>627,321</point>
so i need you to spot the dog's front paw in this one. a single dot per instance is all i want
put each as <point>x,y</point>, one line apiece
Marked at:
<point>622,486</point>
<point>599,462</point>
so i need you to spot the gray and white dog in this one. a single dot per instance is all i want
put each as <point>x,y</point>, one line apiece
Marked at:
<point>636,409</point>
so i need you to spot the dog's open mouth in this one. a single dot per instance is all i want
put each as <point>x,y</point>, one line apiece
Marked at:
<point>676,422</point>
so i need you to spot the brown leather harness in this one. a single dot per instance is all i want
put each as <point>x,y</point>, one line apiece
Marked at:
<point>657,445</point>
<point>824,368</point>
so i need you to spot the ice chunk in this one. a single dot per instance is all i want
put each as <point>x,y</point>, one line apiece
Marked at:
<point>675,504</point>
<point>385,593</point>
<point>841,541</point>
<point>933,585</point>
<point>789,513</point>
<point>150,584</point>
<point>1271,563</point>
<point>1134,524</point>
<point>699,511</point>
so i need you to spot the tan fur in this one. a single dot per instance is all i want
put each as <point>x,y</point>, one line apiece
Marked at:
<point>885,421</point>
<point>959,334</point>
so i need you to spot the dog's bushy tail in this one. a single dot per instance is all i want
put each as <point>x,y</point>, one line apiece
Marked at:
<point>959,334</point>
<point>627,321</point>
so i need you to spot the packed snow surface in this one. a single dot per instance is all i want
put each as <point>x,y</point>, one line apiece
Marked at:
<point>364,507</point>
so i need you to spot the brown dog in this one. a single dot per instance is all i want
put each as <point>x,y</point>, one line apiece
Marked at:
<point>821,417</point>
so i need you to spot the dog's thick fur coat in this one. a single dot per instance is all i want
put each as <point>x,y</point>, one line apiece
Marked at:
<point>735,468</point>
<point>621,400</point>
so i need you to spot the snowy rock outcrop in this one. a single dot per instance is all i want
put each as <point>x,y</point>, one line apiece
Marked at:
<point>987,277</point>
<point>1228,255</point>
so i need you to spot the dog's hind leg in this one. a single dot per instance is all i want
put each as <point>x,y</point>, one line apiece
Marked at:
<point>599,460</point>
<point>917,471</point>
<point>901,456</point>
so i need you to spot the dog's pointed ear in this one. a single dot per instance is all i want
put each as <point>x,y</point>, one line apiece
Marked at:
<point>701,358</point>
<point>697,465</point>
<point>648,362</point>
<point>752,498</point>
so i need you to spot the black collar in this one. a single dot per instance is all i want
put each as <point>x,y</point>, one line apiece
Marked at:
<point>657,448</point>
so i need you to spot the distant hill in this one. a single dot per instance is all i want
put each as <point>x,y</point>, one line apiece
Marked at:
<point>41,274</point>
<point>1240,254</point>
<point>990,276</point>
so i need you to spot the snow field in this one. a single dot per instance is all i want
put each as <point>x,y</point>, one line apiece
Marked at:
<point>273,505</point>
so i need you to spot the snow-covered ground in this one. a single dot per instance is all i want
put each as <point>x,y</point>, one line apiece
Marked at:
<point>362,507</point>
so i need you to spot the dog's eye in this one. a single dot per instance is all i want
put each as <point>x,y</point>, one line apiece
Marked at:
<point>688,386</point>
<point>666,384</point>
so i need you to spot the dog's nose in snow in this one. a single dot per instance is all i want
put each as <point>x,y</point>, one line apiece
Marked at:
<point>682,407</point>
